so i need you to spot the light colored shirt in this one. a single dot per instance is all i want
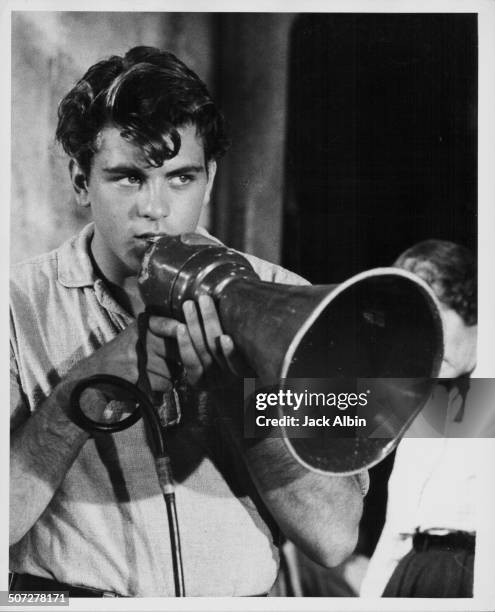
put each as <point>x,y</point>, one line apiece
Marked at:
<point>113,535</point>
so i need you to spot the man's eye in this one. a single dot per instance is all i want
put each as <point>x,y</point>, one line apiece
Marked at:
<point>181,180</point>
<point>131,179</point>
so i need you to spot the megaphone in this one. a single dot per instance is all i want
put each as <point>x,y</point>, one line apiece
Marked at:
<point>383,324</point>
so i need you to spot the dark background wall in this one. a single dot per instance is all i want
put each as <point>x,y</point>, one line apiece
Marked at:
<point>382,138</point>
<point>354,136</point>
<point>381,152</point>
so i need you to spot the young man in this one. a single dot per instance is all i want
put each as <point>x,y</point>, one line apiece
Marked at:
<point>426,548</point>
<point>143,137</point>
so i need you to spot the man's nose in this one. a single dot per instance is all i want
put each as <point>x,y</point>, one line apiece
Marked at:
<point>154,202</point>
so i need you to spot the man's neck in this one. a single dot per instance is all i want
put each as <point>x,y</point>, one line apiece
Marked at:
<point>125,292</point>
<point>127,295</point>
<point>131,296</point>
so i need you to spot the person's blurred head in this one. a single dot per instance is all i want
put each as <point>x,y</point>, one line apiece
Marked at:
<point>450,270</point>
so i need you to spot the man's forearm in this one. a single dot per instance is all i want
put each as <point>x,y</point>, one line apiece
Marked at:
<point>42,451</point>
<point>318,513</point>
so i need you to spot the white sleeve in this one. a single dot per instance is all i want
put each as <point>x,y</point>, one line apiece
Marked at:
<point>390,549</point>
<point>404,486</point>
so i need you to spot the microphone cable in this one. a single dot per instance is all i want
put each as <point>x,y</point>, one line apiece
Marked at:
<point>140,393</point>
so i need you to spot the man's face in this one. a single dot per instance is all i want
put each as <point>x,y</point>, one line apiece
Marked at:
<point>460,344</point>
<point>133,203</point>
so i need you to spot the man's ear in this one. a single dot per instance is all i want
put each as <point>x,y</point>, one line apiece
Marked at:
<point>212,170</point>
<point>79,183</point>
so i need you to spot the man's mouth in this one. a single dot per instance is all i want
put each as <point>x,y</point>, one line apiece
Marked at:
<point>150,237</point>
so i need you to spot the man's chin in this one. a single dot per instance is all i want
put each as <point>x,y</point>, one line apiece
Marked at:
<point>134,257</point>
<point>449,370</point>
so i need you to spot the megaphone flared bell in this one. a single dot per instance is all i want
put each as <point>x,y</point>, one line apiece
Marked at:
<point>382,324</point>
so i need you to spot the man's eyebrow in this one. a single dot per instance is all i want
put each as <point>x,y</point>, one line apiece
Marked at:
<point>128,168</point>
<point>122,169</point>
<point>192,168</point>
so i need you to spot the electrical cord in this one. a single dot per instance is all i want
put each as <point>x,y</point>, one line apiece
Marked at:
<point>139,393</point>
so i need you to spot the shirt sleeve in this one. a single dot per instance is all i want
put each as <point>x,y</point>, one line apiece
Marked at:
<point>273,273</point>
<point>390,549</point>
<point>19,410</point>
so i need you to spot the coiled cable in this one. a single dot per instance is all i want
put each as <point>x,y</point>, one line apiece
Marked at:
<point>140,394</point>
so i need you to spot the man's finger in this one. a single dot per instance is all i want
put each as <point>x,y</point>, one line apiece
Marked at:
<point>188,355</point>
<point>196,335</point>
<point>164,347</point>
<point>211,324</point>
<point>163,326</point>
<point>234,360</point>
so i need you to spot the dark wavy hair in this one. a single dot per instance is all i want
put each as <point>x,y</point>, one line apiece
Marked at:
<point>147,94</point>
<point>450,269</point>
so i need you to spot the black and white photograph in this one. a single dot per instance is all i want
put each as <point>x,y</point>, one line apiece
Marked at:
<point>251,306</point>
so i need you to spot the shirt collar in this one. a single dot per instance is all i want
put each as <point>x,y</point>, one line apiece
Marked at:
<point>204,232</point>
<point>75,268</point>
